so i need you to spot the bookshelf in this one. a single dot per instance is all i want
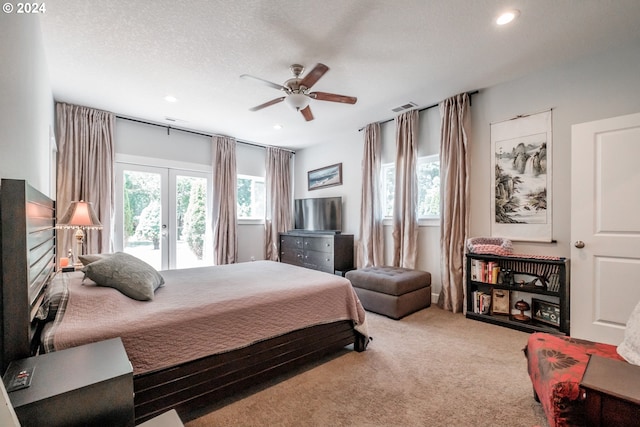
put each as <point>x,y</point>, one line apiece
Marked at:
<point>518,292</point>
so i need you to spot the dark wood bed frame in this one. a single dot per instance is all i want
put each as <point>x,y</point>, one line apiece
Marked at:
<point>27,262</point>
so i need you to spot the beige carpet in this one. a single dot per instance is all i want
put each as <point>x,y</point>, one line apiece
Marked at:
<point>432,368</point>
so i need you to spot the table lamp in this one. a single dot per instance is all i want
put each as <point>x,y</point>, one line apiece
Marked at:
<point>79,216</point>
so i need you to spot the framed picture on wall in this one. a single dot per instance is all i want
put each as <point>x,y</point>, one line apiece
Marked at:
<point>327,176</point>
<point>521,207</point>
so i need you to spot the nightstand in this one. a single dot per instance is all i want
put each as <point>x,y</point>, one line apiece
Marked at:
<point>612,390</point>
<point>87,385</point>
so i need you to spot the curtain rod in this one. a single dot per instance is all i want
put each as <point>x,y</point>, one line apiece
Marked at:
<point>196,133</point>
<point>421,109</point>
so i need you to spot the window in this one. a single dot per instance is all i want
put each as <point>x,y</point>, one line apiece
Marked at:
<point>428,176</point>
<point>428,170</point>
<point>251,197</point>
<point>388,188</point>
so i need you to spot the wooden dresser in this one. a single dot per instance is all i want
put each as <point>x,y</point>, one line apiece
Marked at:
<point>331,253</point>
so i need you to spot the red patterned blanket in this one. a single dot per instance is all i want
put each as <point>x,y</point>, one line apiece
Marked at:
<point>556,365</point>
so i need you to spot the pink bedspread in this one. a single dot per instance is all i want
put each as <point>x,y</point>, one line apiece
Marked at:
<point>204,311</point>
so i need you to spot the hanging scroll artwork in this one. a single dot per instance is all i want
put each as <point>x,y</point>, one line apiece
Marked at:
<point>521,167</point>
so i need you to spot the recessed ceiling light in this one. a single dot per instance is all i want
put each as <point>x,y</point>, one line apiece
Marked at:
<point>170,98</point>
<point>507,17</point>
<point>277,126</point>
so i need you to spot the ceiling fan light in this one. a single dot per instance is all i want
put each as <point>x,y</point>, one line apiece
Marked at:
<point>297,101</point>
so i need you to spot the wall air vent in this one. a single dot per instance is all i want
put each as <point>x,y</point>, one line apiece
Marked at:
<point>407,106</point>
<point>175,120</point>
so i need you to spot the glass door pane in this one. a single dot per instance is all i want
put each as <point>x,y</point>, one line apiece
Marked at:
<point>163,216</point>
<point>142,215</point>
<point>191,221</point>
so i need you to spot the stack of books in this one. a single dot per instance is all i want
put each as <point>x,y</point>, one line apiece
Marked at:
<point>485,271</point>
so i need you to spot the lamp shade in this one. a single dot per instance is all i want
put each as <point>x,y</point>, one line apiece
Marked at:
<point>297,101</point>
<point>80,215</point>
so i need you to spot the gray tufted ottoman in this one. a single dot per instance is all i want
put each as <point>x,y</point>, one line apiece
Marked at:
<point>392,291</point>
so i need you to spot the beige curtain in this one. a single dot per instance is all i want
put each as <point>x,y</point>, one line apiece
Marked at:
<point>405,221</point>
<point>371,247</point>
<point>454,181</point>
<point>225,238</point>
<point>85,167</point>
<point>278,196</point>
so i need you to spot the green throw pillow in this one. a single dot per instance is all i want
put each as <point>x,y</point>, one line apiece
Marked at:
<point>126,273</point>
<point>89,258</point>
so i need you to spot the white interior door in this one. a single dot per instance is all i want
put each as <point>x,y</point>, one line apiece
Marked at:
<point>162,215</point>
<point>605,227</point>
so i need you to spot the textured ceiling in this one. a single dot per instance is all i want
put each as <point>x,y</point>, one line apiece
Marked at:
<point>125,56</point>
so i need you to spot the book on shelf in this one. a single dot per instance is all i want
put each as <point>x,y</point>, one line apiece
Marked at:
<point>481,302</point>
<point>485,271</point>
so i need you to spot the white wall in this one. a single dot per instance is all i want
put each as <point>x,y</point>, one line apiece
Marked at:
<point>152,145</point>
<point>592,88</point>
<point>349,152</point>
<point>596,87</point>
<point>26,103</point>
<point>146,140</point>
<point>600,86</point>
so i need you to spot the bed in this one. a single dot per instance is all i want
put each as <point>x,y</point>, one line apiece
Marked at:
<point>228,354</point>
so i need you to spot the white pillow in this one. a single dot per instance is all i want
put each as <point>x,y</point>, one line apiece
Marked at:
<point>629,349</point>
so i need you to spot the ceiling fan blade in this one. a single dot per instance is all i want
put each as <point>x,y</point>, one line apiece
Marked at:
<point>325,96</point>
<point>306,112</point>
<point>314,75</point>
<point>267,104</point>
<point>266,82</point>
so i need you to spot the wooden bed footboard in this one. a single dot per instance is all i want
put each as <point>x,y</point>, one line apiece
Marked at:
<point>200,383</point>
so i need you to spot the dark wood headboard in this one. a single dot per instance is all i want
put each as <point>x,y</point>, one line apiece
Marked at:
<point>27,262</point>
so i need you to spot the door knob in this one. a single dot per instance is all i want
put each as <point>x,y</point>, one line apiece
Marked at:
<point>579,244</point>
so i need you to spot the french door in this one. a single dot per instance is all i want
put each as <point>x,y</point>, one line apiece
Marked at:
<point>162,215</point>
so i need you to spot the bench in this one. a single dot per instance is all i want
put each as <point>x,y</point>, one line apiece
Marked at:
<point>391,291</point>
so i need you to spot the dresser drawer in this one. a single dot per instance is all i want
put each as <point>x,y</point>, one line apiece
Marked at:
<point>320,244</point>
<point>322,261</point>
<point>291,256</point>
<point>291,242</point>
<point>323,252</point>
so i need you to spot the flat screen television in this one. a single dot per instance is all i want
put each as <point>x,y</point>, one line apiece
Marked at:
<point>323,214</point>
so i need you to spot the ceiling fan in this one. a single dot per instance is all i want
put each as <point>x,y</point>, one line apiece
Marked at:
<point>297,89</point>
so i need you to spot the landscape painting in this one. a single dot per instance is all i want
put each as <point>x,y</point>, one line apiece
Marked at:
<point>325,177</point>
<point>521,169</point>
